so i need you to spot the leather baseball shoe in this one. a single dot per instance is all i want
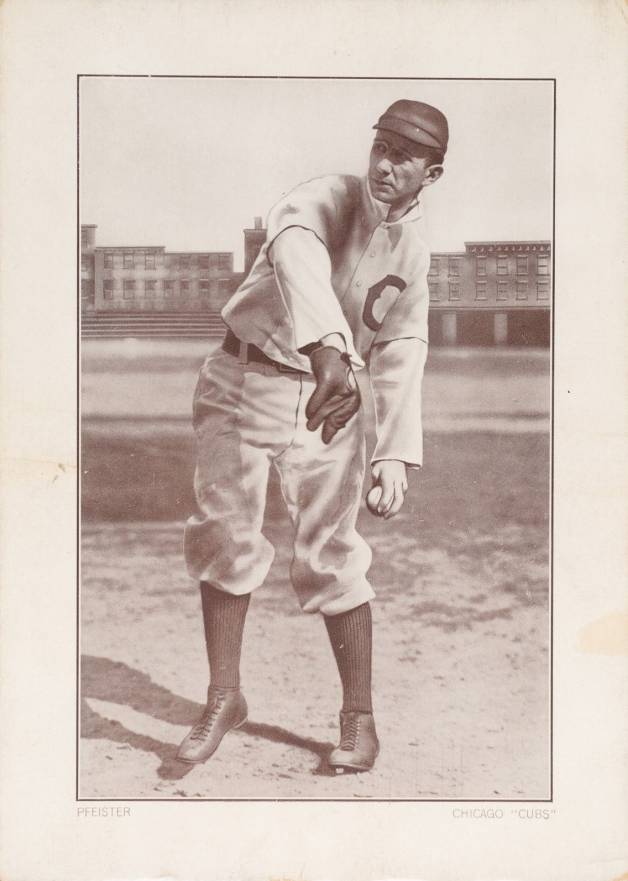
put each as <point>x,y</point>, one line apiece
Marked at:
<point>358,746</point>
<point>226,709</point>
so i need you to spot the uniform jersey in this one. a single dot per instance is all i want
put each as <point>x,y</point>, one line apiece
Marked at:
<point>373,291</point>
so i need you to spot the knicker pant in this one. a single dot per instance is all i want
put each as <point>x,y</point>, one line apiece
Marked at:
<point>247,418</point>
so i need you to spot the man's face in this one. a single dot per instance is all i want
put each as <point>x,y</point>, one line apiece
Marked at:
<point>396,172</point>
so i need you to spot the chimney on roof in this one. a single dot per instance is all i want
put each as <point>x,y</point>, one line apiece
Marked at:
<point>253,241</point>
<point>88,237</point>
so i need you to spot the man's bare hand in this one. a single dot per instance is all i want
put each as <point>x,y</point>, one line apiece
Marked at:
<point>390,474</point>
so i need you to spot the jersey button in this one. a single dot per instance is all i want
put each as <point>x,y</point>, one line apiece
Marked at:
<point>358,284</point>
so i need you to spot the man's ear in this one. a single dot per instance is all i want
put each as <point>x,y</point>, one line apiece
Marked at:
<point>432,174</point>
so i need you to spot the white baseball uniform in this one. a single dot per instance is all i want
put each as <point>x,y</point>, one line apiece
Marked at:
<point>331,264</point>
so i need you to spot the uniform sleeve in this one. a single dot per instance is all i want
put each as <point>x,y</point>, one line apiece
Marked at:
<point>303,273</point>
<point>396,375</point>
<point>397,362</point>
<point>312,205</point>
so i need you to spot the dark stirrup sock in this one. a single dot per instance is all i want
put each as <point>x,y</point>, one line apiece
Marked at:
<point>350,634</point>
<point>223,617</point>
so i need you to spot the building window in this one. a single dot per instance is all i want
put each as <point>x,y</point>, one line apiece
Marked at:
<point>169,288</point>
<point>84,238</point>
<point>433,266</point>
<point>224,286</point>
<point>480,265</point>
<point>87,290</point>
<point>454,266</point>
<point>522,264</point>
<point>185,286</point>
<point>150,288</point>
<point>107,289</point>
<point>480,290</point>
<point>204,273</point>
<point>522,290</point>
<point>184,261</point>
<point>502,290</point>
<point>454,290</point>
<point>128,289</point>
<point>542,264</point>
<point>149,260</point>
<point>224,261</point>
<point>203,261</point>
<point>128,260</point>
<point>502,264</point>
<point>542,289</point>
<point>108,260</point>
<point>203,287</point>
<point>84,264</point>
<point>433,286</point>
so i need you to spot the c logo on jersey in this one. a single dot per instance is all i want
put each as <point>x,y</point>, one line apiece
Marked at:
<point>374,293</point>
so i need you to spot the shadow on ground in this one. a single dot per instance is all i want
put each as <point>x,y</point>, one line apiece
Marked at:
<point>116,682</point>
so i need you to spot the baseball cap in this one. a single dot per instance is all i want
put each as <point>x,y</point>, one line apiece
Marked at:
<point>417,122</point>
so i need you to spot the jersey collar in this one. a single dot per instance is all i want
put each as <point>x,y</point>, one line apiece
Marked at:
<point>378,211</point>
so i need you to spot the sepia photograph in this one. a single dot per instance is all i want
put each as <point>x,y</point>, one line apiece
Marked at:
<point>315,381</point>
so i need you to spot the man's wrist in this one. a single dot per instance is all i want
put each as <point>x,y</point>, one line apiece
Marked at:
<point>333,340</point>
<point>336,340</point>
<point>388,459</point>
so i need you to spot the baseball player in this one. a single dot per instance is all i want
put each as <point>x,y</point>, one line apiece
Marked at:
<point>340,284</point>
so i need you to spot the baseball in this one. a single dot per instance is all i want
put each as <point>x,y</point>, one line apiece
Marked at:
<point>372,499</point>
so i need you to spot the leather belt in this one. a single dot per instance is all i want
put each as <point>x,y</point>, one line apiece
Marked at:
<point>233,346</point>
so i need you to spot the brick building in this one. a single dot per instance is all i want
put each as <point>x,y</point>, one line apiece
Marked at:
<point>492,293</point>
<point>150,279</point>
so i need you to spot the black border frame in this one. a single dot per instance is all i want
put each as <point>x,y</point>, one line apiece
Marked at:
<point>551,610</point>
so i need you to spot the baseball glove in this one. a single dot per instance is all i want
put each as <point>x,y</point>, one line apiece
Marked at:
<point>336,398</point>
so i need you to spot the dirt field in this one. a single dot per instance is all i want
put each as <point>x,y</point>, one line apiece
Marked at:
<point>460,620</point>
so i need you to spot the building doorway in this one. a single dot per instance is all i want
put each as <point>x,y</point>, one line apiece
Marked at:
<point>476,329</point>
<point>529,328</point>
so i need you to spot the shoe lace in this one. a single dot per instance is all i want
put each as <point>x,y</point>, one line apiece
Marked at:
<point>350,733</point>
<point>206,722</point>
